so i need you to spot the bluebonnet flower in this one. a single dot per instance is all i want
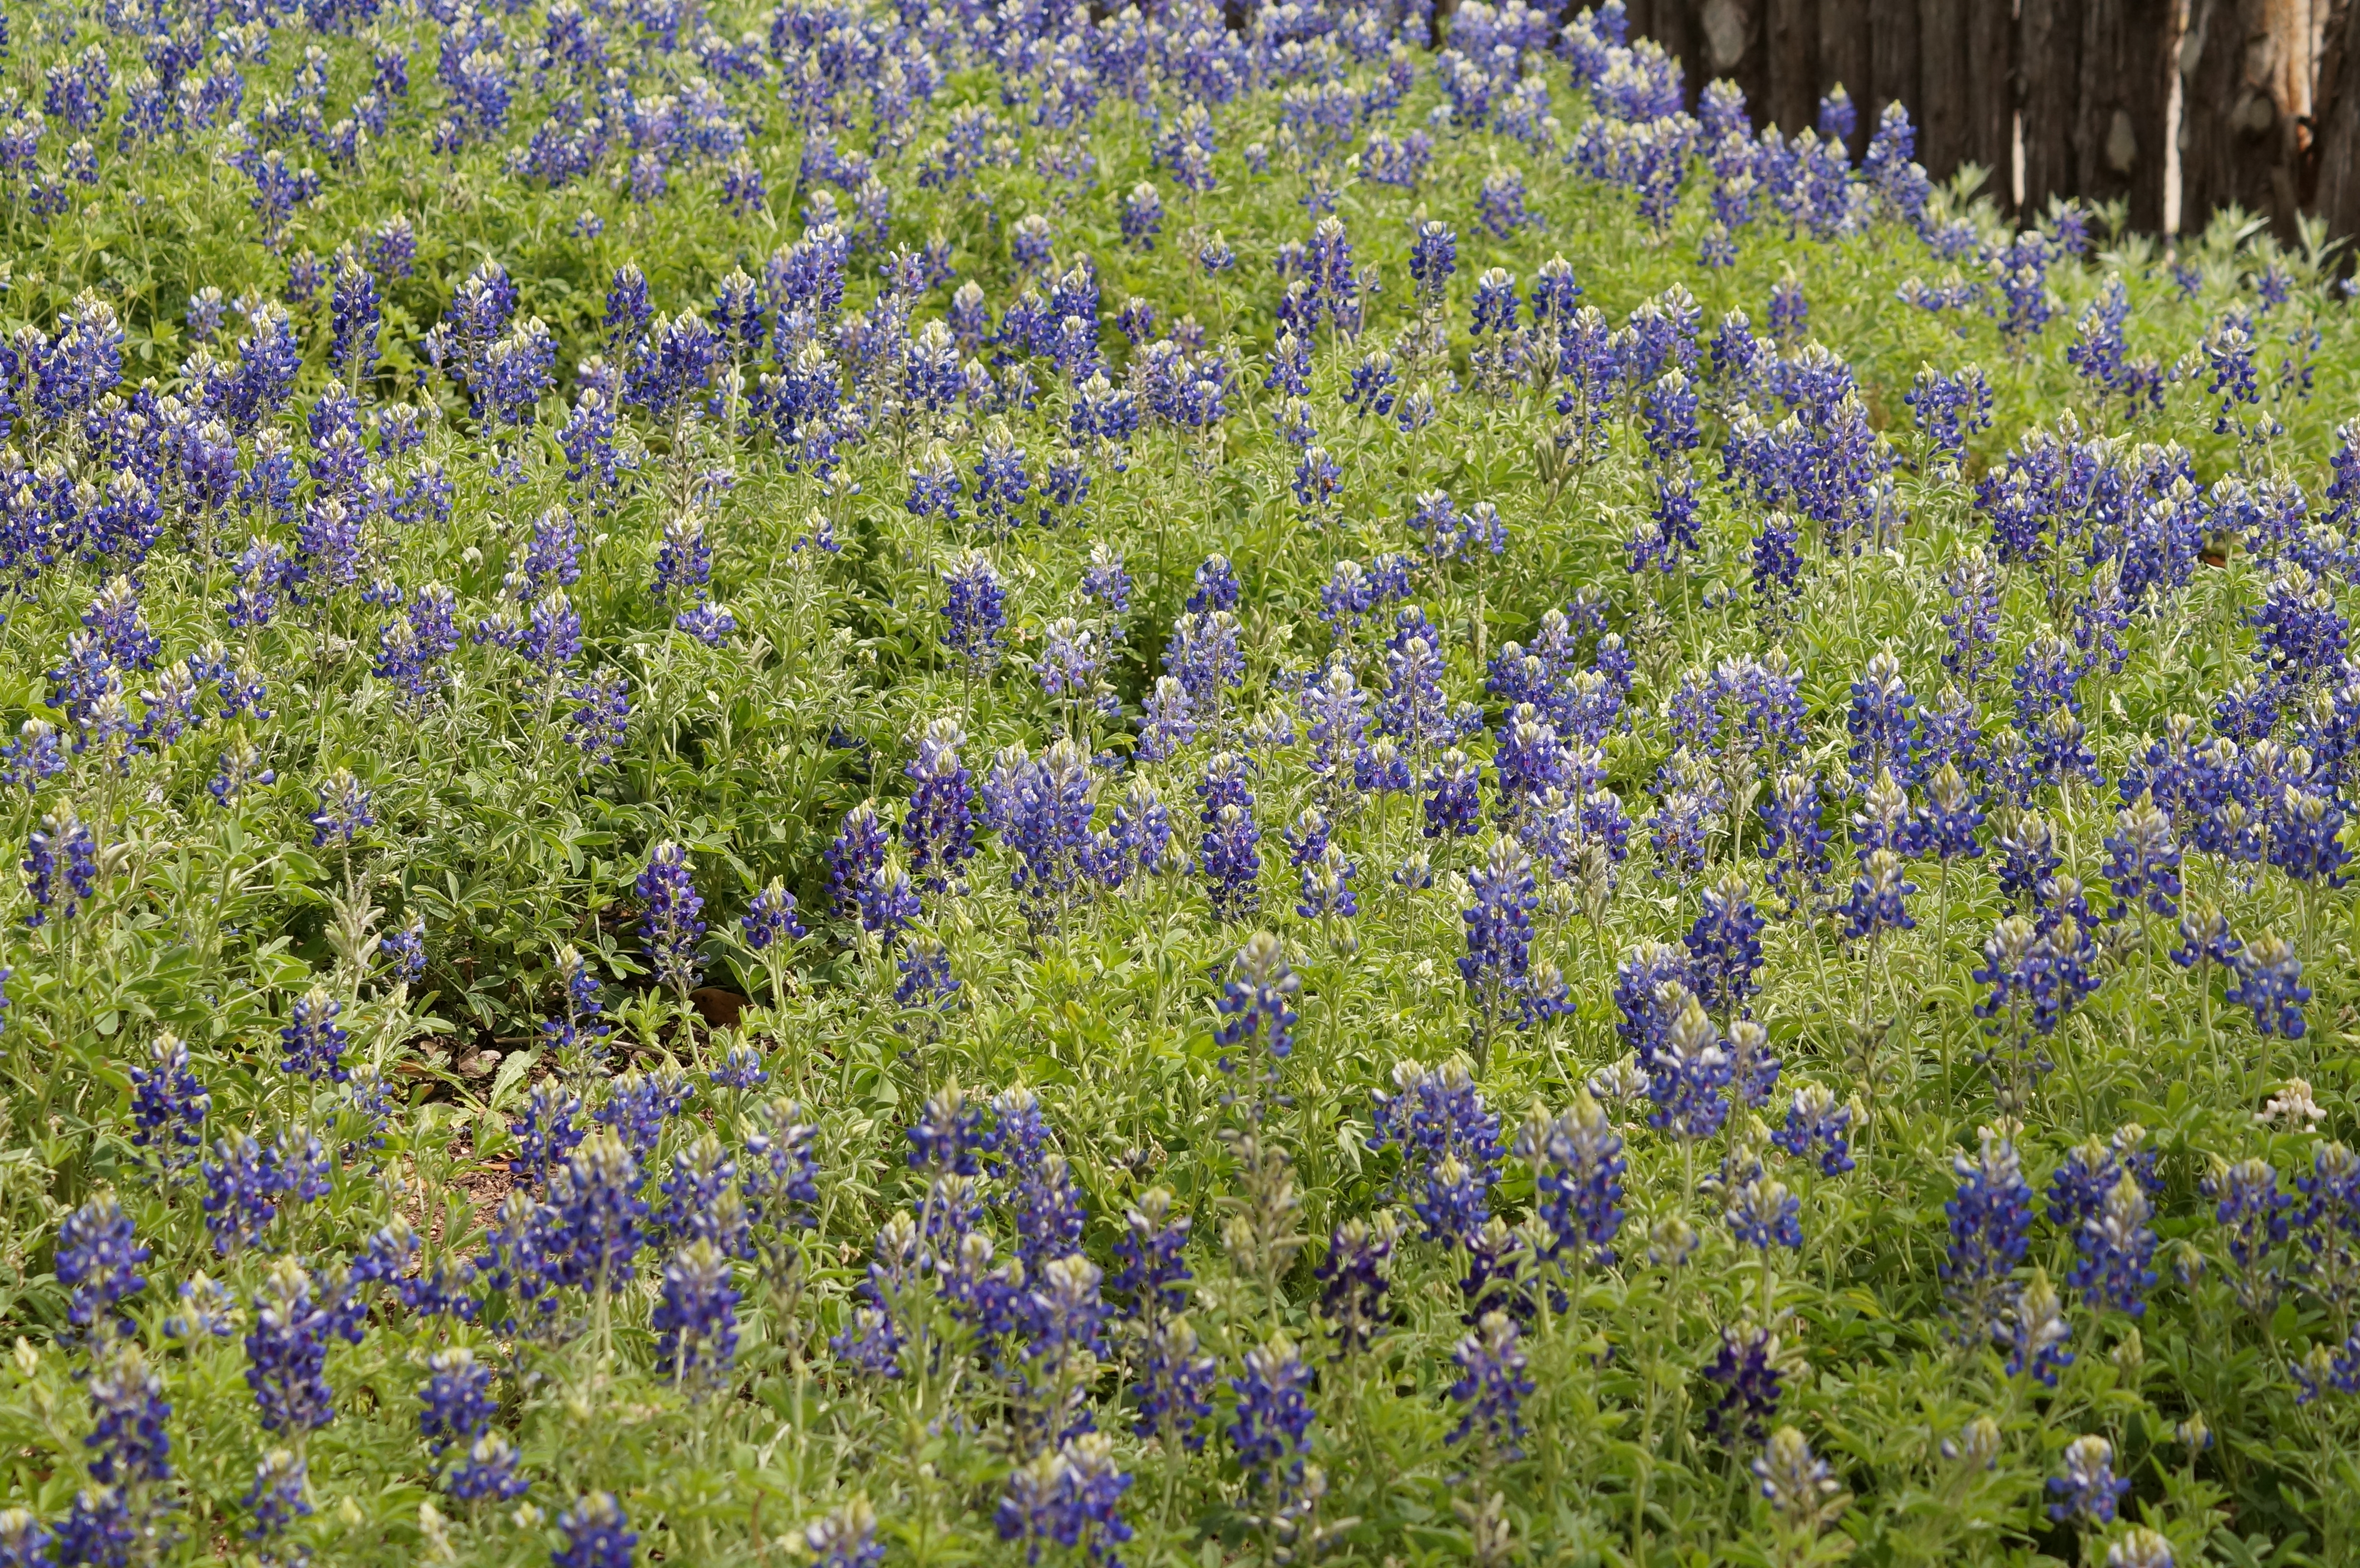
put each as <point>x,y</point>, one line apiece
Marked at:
<point>1256,1003</point>
<point>1799,1487</point>
<point>1228,851</point>
<point>354,321</point>
<point>1002,485</point>
<point>1498,962</point>
<point>2306,840</point>
<point>1272,1430</point>
<point>456,1401</point>
<point>581,1024</point>
<point>1453,799</point>
<point>1046,1205</point>
<point>344,810</point>
<point>1747,1367</point>
<point>1754,1067</point>
<point>695,1318</point>
<point>2117,1243</point>
<point>845,1539</point>
<point>34,757</point>
<point>1139,840</point>
<point>780,1184</point>
<point>1168,720</point>
<point>1777,564</point>
<point>938,827</point>
<point>1173,1385</point>
<point>1327,886</point>
<point>975,613</point>
<point>301,1165</point>
<point>487,1473</point>
<point>1143,216</point>
<point>769,919</point>
<point>1153,1270</point>
<point>1215,586</point>
<point>1070,1496</point>
<point>2252,1212</point>
<point>683,561</point>
<point>1950,820</point>
<point>2028,858</point>
<point>1670,409</point>
<point>948,1134</point>
<point>1578,1168</point>
<point>1414,708</point>
<point>1796,839</point>
<point>128,1445</point>
<point>1883,723</point>
<point>1432,257</point>
<point>1041,809</point>
<point>1105,581</point>
<point>24,1540</point>
<point>2037,972</point>
<point>1069,663</point>
<point>1290,367</point>
<point>856,859</point>
<point>168,1103</point>
<point>1651,986</point>
<point>1991,1222</point>
<point>1877,901</point>
<point>2269,981</point>
<point>2228,350</point>
<point>1449,1143</point>
<point>669,923</point>
<point>241,1188</point>
<point>2299,636</point>
<point>2143,861</point>
<point>404,951</point>
<point>2142,1548</point>
<point>61,836</point>
<point>98,1257</point>
<point>2087,1490</point>
<point>597,1215</point>
<point>313,1044</point>
<point>1339,726</point>
<point>552,637</point>
<point>1492,1384</point>
<point>597,1534</point>
<point>114,619</point>
<point>517,1262</point>
<point>1813,1120</point>
<point>638,1106</point>
<point>700,1195</point>
<point>1725,948</point>
<point>1354,1280</point>
<point>287,1349</point>
<point>1686,1074</point>
<point>99,1529</point>
<point>276,1500</point>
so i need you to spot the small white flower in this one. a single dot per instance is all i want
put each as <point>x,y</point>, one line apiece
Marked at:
<point>2292,1105</point>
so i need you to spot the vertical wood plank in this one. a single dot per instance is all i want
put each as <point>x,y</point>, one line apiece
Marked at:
<point>2239,133</point>
<point>1894,54</point>
<point>1675,30</point>
<point>1844,47</point>
<point>1941,105</point>
<point>1990,45</point>
<point>2334,171</point>
<point>1793,90</point>
<point>2119,128</point>
<point>2047,79</point>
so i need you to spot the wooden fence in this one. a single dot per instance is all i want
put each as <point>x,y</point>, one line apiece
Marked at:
<point>2081,91</point>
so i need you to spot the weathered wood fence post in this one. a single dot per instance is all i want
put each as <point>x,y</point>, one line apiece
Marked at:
<point>2270,103</point>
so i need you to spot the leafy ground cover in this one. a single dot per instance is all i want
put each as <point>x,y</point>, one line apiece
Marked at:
<point>955,785</point>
